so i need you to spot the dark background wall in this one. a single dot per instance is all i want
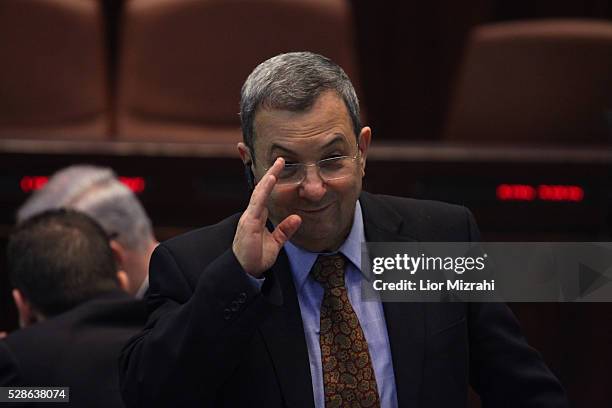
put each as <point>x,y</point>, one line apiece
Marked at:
<point>409,54</point>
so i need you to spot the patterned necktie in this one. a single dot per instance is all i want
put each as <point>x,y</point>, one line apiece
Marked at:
<point>348,375</point>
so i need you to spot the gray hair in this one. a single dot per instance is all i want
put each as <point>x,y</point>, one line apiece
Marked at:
<point>293,82</point>
<point>97,192</point>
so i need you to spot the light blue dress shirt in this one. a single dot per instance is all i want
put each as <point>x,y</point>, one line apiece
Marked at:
<point>370,313</point>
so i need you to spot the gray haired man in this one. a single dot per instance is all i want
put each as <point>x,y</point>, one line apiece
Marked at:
<point>264,309</point>
<point>97,192</point>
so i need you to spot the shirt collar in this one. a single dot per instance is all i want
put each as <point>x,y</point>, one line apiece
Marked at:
<point>301,260</point>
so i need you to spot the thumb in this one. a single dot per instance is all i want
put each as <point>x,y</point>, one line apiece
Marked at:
<point>285,230</point>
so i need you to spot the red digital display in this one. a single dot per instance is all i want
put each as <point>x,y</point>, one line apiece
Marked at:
<point>136,184</point>
<point>33,183</point>
<point>543,192</point>
<point>560,193</point>
<point>516,192</point>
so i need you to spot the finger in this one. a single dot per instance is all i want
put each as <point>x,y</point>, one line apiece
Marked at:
<point>276,167</point>
<point>285,230</point>
<point>263,189</point>
<point>264,215</point>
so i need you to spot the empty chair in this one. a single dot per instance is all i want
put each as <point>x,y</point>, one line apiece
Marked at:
<point>182,62</point>
<point>539,82</point>
<point>52,75</point>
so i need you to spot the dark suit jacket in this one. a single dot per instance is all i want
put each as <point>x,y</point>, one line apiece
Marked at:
<point>213,340</point>
<point>77,349</point>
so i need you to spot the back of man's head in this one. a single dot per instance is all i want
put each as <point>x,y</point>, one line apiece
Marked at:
<point>59,259</point>
<point>97,192</point>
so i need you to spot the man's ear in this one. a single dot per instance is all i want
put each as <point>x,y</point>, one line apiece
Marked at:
<point>245,154</point>
<point>27,315</point>
<point>124,281</point>
<point>119,253</point>
<point>121,258</point>
<point>365,138</point>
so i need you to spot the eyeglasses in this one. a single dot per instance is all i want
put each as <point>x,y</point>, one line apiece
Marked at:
<point>333,168</point>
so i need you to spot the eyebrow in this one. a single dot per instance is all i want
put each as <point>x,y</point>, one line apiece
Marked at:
<point>337,138</point>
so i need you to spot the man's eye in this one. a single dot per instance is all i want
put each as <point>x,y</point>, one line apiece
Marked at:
<point>289,170</point>
<point>332,163</point>
<point>332,158</point>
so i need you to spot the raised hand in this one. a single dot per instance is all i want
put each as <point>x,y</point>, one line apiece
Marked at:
<point>254,246</point>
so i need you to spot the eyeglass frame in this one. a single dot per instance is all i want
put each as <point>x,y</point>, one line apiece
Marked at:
<point>317,164</point>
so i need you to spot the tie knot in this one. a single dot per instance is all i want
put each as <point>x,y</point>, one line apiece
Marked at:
<point>328,270</point>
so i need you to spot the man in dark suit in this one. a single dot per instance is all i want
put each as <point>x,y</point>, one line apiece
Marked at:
<point>265,309</point>
<point>75,317</point>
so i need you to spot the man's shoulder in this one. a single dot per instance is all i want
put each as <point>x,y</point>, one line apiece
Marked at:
<point>210,234</point>
<point>414,206</point>
<point>205,242</point>
<point>103,323</point>
<point>423,220</point>
<point>108,311</point>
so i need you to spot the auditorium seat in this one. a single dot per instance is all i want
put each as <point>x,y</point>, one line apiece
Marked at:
<point>52,75</point>
<point>535,82</point>
<point>182,62</point>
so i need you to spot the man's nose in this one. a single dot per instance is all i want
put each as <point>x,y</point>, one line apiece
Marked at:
<point>313,187</point>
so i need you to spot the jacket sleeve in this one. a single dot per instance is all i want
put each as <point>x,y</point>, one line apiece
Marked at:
<point>504,369</point>
<point>194,335</point>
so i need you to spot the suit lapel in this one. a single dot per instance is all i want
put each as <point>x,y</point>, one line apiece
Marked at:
<point>405,321</point>
<point>283,334</point>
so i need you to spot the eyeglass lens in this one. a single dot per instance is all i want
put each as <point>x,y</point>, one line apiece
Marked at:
<point>329,169</point>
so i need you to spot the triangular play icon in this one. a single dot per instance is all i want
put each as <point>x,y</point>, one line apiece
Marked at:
<point>590,280</point>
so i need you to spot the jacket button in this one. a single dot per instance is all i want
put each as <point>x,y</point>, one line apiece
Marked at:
<point>227,314</point>
<point>235,306</point>
<point>242,297</point>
